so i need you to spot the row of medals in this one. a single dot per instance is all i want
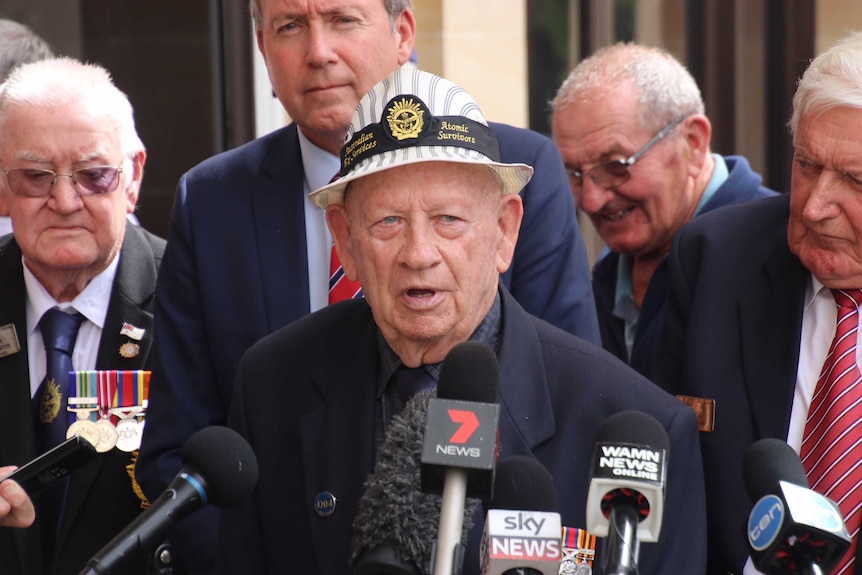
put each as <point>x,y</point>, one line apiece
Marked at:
<point>103,434</point>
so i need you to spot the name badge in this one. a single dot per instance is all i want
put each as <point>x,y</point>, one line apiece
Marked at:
<point>9,340</point>
<point>703,408</point>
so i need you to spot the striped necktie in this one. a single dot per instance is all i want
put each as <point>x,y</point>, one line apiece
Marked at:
<point>340,286</point>
<point>832,442</point>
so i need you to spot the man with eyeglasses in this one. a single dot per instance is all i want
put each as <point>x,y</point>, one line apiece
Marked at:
<point>629,122</point>
<point>71,165</point>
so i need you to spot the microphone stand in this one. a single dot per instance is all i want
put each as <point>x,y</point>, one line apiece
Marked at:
<point>447,560</point>
<point>622,552</point>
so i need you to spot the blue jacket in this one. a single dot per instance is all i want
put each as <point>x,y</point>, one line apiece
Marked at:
<point>742,185</point>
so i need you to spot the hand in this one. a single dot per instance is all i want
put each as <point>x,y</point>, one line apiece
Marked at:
<point>16,508</point>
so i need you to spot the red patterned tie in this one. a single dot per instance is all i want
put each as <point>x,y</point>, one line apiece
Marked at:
<point>832,444</point>
<point>340,286</point>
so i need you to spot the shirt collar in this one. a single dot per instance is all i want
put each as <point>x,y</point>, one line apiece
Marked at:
<point>318,165</point>
<point>92,302</point>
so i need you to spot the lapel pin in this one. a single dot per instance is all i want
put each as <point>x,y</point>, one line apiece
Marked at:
<point>324,504</point>
<point>132,332</point>
<point>129,350</point>
<point>9,344</point>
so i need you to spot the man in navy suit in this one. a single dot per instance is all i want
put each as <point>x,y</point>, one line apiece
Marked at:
<point>751,314</point>
<point>71,165</point>
<point>426,218</point>
<point>249,253</point>
<point>630,124</point>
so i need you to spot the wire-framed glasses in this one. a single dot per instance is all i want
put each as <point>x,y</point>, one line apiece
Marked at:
<point>618,172</point>
<point>38,183</point>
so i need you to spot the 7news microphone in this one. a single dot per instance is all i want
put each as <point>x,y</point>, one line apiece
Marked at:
<point>219,467</point>
<point>625,502</point>
<point>460,444</point>
<point>791,529</point>
<point>522,528</point>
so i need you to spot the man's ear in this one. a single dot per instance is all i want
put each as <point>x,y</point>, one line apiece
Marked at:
<point>509,216</point>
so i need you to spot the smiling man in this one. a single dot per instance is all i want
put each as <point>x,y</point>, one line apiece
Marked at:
<point>427,217</point>
<point>629,122</point>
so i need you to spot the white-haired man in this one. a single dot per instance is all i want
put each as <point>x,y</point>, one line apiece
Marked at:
<point>426,218</point>
<point>76,292</point>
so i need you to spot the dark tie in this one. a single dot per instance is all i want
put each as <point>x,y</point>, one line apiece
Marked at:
<point>59,332</point>
<point>412,380</point>
<point>832,442</point>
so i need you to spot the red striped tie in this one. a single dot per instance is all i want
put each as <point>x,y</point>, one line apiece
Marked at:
<point>832,444</point>
<point>340,286</point>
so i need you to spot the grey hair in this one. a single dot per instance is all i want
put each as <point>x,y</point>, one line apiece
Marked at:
<point>19,45</point>
<point>393,7</point>
<point>60,81</point>
<point>833,79</point>
<point>664,86</point>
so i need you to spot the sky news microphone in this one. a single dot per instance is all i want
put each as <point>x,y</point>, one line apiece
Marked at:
<point>219,467</point>
<point>396,523</point>
<point>625,502</point>
<point>791,528</point>
<point>460,444</point>
<point>523,531</point>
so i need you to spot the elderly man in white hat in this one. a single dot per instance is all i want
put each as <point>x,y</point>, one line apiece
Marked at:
<point>425,217</point>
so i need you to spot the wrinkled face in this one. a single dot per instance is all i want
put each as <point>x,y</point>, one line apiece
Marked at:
<point>65,232</point>
<point>427,242</point>
<point>640,216</point>
<point>825,225</point>
<point>324,55</point>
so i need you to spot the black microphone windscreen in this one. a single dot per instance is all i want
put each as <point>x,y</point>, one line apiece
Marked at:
<point>768,461</point>
<point>522,483</point>
<point>393,511</point>
<point>226,460</point>
<point>633,427</point>
<point>470,372</point>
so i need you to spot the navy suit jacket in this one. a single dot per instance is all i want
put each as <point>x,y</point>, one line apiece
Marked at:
<point>742,185</point>
<point>236,269</point>
<point>100,501</point>
<point>311,423</point>
<point>732,334</point>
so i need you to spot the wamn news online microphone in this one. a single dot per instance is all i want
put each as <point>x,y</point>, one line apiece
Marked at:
<point>625,503</point>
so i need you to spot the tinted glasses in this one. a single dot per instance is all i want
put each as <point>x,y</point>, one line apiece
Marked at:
<point>37,183</point>
<point>617,172</point>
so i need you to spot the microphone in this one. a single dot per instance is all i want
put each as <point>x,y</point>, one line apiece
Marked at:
<point>460,445</point>
<point>625,501</point>
<point>791,528</point>
<point>395,521</point>
<point>523,531</point>
<point>219,467</point>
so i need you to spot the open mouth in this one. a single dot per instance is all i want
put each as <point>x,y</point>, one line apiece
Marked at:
<point>420,293</point>
<point>620,214</point>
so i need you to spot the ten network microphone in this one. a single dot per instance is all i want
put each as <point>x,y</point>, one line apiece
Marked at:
<point>625,502</point>
<point>791,529</point>
<point>460,444</point>
<point>522,529</point>
<point>219,467</point>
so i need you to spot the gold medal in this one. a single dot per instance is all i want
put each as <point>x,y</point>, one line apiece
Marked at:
<point>107,435</point>
<point>129,350</point>
<point>86,429</point>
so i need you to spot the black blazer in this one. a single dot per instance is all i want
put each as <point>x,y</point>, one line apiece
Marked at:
<point>306,398</point>
<point>100,501</point>
<point>732,334</point>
